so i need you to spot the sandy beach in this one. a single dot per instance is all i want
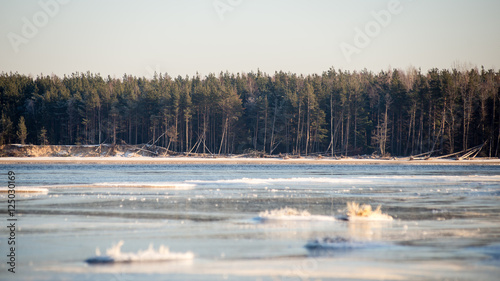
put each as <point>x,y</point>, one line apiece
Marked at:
<point>139,154</point>
<point>239,161</point>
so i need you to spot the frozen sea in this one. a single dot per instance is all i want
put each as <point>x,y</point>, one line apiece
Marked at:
<point>446,222</point>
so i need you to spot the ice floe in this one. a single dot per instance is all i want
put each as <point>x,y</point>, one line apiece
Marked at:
<point>292,214</point>
<point>115,255</point>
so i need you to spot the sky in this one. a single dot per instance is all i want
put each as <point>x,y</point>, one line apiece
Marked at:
<point>185,37</point>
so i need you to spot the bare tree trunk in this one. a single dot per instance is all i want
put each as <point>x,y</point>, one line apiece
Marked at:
<point>467,104</point>
<point>498,138</point>
<point>175,128</point>
<point>355,126</point>
<point>452,130</point>
<point>99,117</point>
<point>287,130</point>
<point>336,133</point>
<point>492,125</point>
<point>342,131</point>
<point>421,133</point>
<point>443,123</point>
<point>271,147</point>
<point>130,130</point>
<point>114,131</point>
<point>410,127</point>
<point>308,124</point>
<point>265,125</point>
<point>297,149</point>
<point>434,136</point>
<point>385,124</point>
<point>413,129</point>
<point>429,134</point>
<point>204,130</point>
<point>187,134</point>
<point>331,122</point>
<point>256,133</point>
<point>136,130</point>
<point>347,133</point>
<point>383,142</point>
<point>400,131</point>
<point>224,130</point>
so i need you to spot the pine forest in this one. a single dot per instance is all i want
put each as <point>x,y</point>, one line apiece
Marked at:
<point>390,113</point>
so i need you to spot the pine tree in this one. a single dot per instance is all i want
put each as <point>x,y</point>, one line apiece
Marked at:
<point>22,132</point>
<point>6,127</point>
<point>42,137</point>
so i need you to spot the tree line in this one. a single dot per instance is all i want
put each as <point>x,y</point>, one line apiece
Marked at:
<point>394,112</point>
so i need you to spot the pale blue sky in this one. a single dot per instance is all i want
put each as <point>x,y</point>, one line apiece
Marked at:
<point>182,37</point>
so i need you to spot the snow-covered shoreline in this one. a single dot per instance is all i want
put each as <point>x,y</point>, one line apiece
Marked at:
<point>143,154</point>
<point>216,160</point>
